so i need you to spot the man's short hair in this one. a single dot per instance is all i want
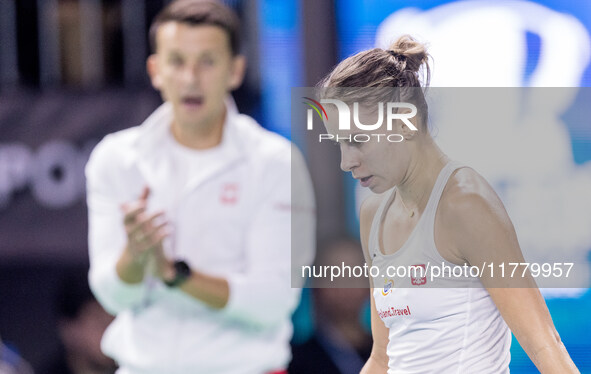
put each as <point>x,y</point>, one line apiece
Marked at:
<point>199,12</point>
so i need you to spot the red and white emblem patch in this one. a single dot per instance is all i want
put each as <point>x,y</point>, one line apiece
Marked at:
<point>229,194</point>
<point>418,275</point>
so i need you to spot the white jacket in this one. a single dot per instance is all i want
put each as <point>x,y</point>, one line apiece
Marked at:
<point>235,220</point>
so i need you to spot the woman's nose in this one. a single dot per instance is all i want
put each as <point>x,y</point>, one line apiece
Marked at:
<point>349,160</point>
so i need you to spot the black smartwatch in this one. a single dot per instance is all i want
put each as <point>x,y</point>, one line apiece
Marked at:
<point>182,272</point>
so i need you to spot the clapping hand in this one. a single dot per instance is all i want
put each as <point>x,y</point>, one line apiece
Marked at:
<point>145,231</point>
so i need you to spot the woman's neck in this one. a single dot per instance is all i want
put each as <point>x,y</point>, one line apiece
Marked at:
<point>420,177</point>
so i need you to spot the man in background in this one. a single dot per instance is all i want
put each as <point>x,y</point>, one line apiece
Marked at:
<point>191,215</point>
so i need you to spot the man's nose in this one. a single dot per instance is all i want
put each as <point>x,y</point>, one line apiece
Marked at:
<point>191,74</point>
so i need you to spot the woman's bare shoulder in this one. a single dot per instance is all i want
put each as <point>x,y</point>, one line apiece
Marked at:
<point>467,189</point>
<point>470,213</point>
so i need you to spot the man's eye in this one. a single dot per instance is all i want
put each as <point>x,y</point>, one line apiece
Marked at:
<point>208,61</point>
<point>176,61</point>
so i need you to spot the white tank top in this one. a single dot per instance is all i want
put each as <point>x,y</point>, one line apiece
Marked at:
<point>445,325</point>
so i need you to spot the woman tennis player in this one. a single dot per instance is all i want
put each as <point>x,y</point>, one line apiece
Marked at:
<point>433,211</point>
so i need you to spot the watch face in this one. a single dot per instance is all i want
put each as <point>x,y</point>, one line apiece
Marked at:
<point>182,269</point>
<point>182,273</point>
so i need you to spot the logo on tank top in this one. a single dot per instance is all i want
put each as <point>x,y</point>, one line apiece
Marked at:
<point>394,312</point>
<point>389,284</point>
<point>419,276</point>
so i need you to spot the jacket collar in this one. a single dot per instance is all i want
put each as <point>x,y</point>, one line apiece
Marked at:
<point>153,154</point>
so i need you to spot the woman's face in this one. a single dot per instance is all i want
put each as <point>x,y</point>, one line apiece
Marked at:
<point>377,158</point>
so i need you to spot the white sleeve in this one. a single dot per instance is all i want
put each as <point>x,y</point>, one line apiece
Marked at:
<point>107,235</point>
<point>263,294</point>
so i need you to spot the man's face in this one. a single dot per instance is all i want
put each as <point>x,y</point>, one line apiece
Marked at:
<point>194,70</point>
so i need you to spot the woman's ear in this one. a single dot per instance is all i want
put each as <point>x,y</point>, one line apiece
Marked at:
<point>407,132</point>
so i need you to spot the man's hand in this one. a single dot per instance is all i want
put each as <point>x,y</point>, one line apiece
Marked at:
<point>145,234</point>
